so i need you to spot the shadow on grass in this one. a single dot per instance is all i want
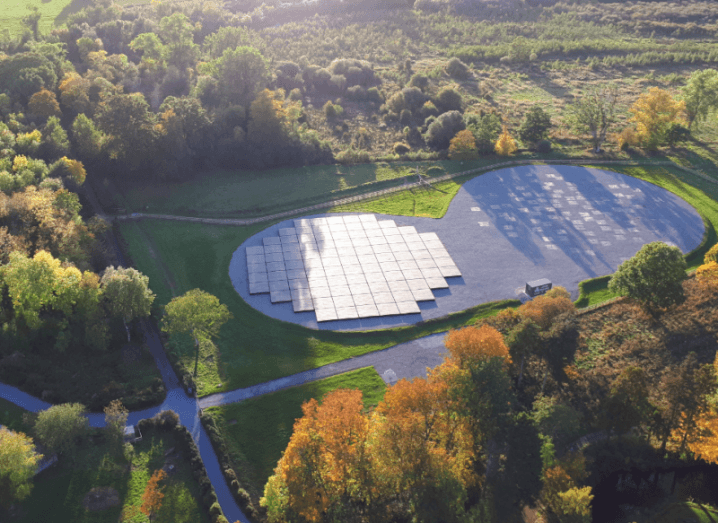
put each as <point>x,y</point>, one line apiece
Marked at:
<point>73,7</point>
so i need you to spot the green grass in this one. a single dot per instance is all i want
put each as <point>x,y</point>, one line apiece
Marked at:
<point>245,193</point>
<point>11,415</point>
<point>252,348</point>
<point>54,12</point>
<point>58,493</point>
<point>258,430</point>
<point>687,511</point>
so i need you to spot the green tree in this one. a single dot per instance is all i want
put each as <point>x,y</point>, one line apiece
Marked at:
<point>523,340</point>
<point>241,73</point>
<point>151,47</point>
<point>126,294</point>
<point>535,125</point>
<point>55,142</point>
<point>653,277</point>
<point>87,141</point>
<point>177,32</point>
<point>486,130</point>
<point>594,113</point>
<point>61,427</point>
<point>18,462</point>
<point>627,404</point>
<point>198,314</point>
<point>559,422</point>
<point>701,95</point>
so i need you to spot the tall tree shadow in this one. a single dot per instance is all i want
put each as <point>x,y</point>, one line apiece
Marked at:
<point>75,6</point>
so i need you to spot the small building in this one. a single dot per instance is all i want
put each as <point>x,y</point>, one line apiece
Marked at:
<point>132,434</point>
<point>538,287</point>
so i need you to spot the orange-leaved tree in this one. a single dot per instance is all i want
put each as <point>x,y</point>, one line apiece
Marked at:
<point>325,464</point>
<point>476,343</point>
<point>153,496</point>
<point>543,310</point>
<point>463,146</point>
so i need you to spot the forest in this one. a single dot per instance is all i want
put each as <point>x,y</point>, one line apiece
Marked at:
<point>118,100</point>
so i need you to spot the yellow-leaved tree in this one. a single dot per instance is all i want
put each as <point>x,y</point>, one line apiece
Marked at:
<point>476,343</point>
<point>505,145</point>
<point>653,113</point>
<point>18,461</point>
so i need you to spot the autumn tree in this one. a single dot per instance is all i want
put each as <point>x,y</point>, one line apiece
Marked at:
<point>653,113</point>
<point>18,462</point>
<point>476,343</point>
<point>594,113</point>
<point>126,294</point>
<point>153,495</point>
<point>44,103</point>
<point>653,277</point>
<point>700,95</point>
<point>198,314</point>
<point>627,405</point>
<point>463,146</point>
<point>543,310</point>
<point>505,145</point>
<point>61,427</point>
<point>268,119</point>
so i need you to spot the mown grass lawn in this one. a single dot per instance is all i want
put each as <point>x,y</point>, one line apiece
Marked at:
<point>253,348</point>
<point>687,511</point>
<point>259,443</point>
<point>58,492</point>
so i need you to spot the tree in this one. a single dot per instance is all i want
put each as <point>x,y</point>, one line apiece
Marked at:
<point>153,495</point>
<point>115,421</point>
<point>268,120</point>
<point>594,113</point>
<point>18,462</point>
<point>574,505</point>
<point>198,314</point>
<point>87,141</point>
<point>472,343</point>
<point>653,277</point>
<point>505,145</point>
<point>486,130</point>
<point>653,113</point>
<point>44,103</point>
<point>627,405</point>
<point>60,427</point>
<point>126,294</point>
<point>543,310</point>
<point>559,422</point>
<point>55,142</point>
<point>443,129</point>
<point>700,95</point>
<point>463,146</point>
<point>523,340</point>
<point>535,126</point>
<point>241,73</point>
<point>177,32</point>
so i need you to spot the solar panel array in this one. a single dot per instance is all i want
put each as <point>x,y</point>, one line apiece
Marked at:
<point>347,267</point>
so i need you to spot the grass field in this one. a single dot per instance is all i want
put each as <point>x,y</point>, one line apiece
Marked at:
<point>11,415</point>
<point>687,511</point>
<point>254,348</point>
<point>58,493</point>
<point>260,443</point>
<point>54,12</point>
<point>240,193</point>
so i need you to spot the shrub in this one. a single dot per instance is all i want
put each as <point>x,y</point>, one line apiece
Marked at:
<point>711,255</point>
<point>220,519</point>
<point>401,148</point>
<point>209,498</point>
<point>413,98</point>
<point>373,95</point>
<point>653,277</point>
<point>352,156</point>
<point>332,111</point>
<point>396,104</point>
<point>243,498</point>
<point>405,117</point>
<point>448,99</point>
<point>543,310</point>
<point>443,129</point>
<point>166,420</point>
<point>428,109</point>
<point>457,69</point>
<point>543,146</point>
<point>628,138</point>
<point>295,94</point>
<point>215,510</point>
<point>356,92</point>
<point>419,80</point>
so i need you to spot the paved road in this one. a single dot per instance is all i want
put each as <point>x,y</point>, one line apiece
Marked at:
<point>406,360</point>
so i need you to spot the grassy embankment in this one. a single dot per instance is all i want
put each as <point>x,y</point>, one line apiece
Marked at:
<point>260,444</point>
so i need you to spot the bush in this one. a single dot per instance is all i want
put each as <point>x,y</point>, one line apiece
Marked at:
<point>332,111</point>
<point>356,92</point>
<point>401,148</point>
<point>543,146</point>
<point>373,95</point>
<point>243,498</point>
<point>396,104</point>
<point>295,95</point>
<point>215,510</point>
<point>352,156</point>
<point>419,80</point>
<point>653,277</point>
<point>405,117</point>
<point>628,138</point>
<point>413,98</point>
<point>457,69</point>
<point>711,255</point>
<point>443,129</point>
<point>209,499</point>
<point>448,99</point>
<point>463,146</point>
<point>166,420</point>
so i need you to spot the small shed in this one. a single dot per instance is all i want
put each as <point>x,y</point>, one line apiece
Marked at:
<point>538,287</point>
